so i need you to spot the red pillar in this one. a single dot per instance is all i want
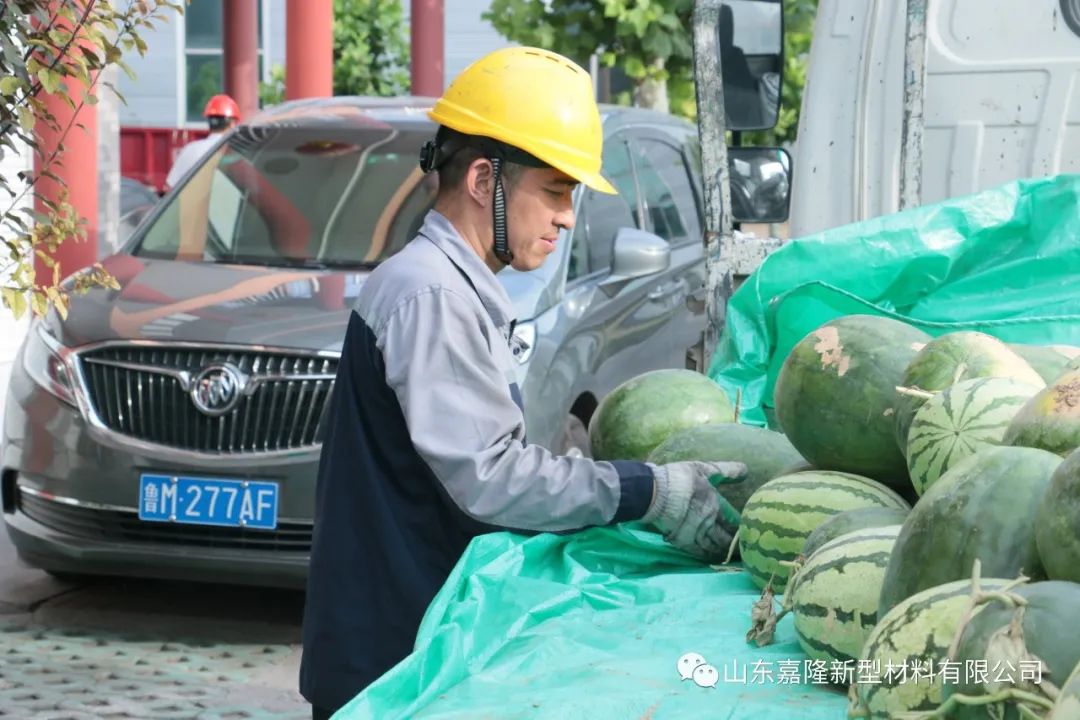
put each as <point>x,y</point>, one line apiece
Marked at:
<point>427,36</point>
<point>76,169</point>
<point>241,53</point>
<point>309,49</point>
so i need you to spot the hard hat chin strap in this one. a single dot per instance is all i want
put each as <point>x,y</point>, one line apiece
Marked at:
<point>498,210</point>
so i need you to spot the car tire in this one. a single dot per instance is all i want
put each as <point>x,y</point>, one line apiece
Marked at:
<point>575,438</point>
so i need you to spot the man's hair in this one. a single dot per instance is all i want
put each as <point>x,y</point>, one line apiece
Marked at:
<point>452,172</point>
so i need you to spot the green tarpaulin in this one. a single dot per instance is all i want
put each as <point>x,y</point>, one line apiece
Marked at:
<point>593,624</point>
<point>1005,261</point>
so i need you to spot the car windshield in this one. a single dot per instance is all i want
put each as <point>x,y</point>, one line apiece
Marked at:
<point>298,197</point>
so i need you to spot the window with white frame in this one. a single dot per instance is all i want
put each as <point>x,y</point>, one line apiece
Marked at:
<point>204,33</point>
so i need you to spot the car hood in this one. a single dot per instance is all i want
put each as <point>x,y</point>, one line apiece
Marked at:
<point>183,301</point>
<point>178,301</point>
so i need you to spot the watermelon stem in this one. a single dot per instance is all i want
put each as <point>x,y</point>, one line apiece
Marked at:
<point>914,392</point>
<point>738,403</point>
<point>734,544</point>
<point>981,597</point>
<point>1020,697</point>
<point>960,370</point>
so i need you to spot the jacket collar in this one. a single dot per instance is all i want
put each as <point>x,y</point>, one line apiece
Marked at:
<point>493,296</point>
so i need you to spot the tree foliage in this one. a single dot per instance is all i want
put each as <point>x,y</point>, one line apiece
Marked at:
<point>54,48</point>
<point>371,52</point>
<point>649,40</point>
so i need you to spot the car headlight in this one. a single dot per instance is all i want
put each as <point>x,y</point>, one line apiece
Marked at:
<point>522,341</point>
<point>45,361</point>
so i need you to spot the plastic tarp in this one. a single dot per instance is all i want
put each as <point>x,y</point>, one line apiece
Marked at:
<point>1005,261</point>
<point>592,624</point>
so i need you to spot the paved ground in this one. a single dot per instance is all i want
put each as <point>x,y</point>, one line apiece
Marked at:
<point>116,649</point>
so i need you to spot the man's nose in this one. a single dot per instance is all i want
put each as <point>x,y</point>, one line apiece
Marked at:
<point>565,218</point>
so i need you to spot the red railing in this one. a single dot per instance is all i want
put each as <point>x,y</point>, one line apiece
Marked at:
<point>147,153</point>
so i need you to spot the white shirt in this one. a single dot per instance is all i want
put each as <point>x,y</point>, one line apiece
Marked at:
<point>189,156</point>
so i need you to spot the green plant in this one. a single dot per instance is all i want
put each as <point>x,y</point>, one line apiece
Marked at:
<point>54,48</point>
<point>371,49</point>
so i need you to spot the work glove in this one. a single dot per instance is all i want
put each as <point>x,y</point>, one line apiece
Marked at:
<point>690,512</point>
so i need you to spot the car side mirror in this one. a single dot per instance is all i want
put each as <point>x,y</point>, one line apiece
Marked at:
<point>760,181</point>
<point>637,253</point>
<point>751,42</point>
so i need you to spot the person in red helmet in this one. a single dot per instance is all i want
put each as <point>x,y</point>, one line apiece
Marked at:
<point>221,114</point>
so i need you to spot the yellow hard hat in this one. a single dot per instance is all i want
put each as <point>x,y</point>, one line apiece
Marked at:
<point>534,100</point>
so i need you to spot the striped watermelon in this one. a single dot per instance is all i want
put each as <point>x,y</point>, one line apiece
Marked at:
<point>969,416</point>
<point>913,638</point>
<point>950,358</point>
<point>1067,706</point>
<point>834,595</point>
<point>780,515</point>
<point>850,521</point>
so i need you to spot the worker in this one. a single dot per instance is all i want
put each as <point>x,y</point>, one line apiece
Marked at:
<point>425,443</point>
<point>221,113</point>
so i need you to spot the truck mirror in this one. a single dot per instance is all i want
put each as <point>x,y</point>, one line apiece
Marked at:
<point>760,184</point>
<point>751,35</point>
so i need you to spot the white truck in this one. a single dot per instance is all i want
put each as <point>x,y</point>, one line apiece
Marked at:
<point>905,103</point>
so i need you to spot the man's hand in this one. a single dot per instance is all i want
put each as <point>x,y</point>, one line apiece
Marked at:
<point>689,511</point>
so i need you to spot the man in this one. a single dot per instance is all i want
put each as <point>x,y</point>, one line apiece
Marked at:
<point>425,445</point>
<point>221,113</point>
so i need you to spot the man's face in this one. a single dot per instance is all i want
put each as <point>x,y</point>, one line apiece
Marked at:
<point>539,204</point>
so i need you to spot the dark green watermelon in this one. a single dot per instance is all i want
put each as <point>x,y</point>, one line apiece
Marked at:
<point>765,452</point>
<point>1051,419</point>
<point>1057,522</point>
<point>836,391</point>
<point>982,508</point>
<point>644,411</point>
<point>1048,631</point>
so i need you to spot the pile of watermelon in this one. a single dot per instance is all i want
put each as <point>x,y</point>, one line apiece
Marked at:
<point>917,510</point>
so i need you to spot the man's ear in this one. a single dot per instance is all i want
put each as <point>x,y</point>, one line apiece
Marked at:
<point>479,181</point>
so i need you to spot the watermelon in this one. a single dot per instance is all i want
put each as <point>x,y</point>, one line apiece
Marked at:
<point>983,508</point>
<point>784,511</point>
<point>1067,706</point>
<point>644,411</point>
<point>1051,419</point>
<point>950,358</point>
<point>850,521</point>
<point>835,393</point>
<point>1050,361</point>
<point>1047,631</point>
<point>969,416</point>
<point>913,638</point>
<point>765,452</point>
<point>1057,522</point>
<point>834,595</point>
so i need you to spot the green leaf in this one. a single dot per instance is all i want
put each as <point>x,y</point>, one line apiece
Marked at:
<point>9,85</point>
<point>50,80</point>
<point>26,118</point>
<point>15,301</point>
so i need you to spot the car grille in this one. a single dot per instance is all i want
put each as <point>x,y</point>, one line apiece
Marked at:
<point>125,526</point>
<point>144,393</point>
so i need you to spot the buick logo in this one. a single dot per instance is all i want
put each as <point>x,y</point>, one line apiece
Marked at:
<point>216,390</point>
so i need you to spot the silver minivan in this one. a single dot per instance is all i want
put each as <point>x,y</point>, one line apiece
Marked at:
<point>172,428</point>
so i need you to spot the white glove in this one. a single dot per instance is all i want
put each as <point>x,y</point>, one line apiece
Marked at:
<point>692,515</point>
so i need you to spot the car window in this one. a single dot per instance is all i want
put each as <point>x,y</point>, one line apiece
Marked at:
<point>333,196</point>
<point>602,215</point>
<point>670,203</point>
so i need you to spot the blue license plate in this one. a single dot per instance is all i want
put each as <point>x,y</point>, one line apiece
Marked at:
<point>208,501</point>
